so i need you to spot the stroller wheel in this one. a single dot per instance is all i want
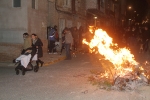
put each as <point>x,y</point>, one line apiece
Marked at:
<point>17,72</point>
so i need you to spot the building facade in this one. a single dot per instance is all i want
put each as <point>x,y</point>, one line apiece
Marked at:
<point>16,18</point>
<point>66,13</point>
<point>19,16</point>
<point>35,16</point>
<point>109,13</point>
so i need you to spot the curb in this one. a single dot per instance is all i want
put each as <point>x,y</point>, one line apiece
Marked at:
<point>44,65</point>
<point>54,61</point>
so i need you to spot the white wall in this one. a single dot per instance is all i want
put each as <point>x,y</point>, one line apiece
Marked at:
<point>37,18</point>
<point>13,21</point>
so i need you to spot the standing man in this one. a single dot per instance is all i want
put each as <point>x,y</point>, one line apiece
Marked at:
<point>75,35</point>
<point>52,40</point>
<point>80,35</point>
<point>68,43</point>
<point>27,43</point>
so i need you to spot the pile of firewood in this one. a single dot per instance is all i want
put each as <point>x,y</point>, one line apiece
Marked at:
<point>138,77</point>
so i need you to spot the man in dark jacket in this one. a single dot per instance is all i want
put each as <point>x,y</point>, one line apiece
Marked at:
<point>52,41</point>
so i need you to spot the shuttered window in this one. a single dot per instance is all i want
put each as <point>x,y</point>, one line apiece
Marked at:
<point>16,3</point>
<point>67,3</point>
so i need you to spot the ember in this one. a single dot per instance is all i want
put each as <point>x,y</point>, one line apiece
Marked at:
<point>125,73</point>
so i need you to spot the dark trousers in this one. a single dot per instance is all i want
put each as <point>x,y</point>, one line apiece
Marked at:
<point>75,45</point>
<point>52,47</point>
<point>63,47</point>
<point>68,53</point>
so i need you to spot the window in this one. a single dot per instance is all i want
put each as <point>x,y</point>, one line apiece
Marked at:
<point>62,24</point>
<point>69,23</point>
<point>67,3</point>
<point>77,4</point>
<point>34,4</point>
<point>16,3</point>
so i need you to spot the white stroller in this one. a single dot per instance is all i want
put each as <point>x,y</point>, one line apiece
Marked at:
<point>24,63</point>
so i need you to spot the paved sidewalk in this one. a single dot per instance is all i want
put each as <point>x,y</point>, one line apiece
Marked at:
<point>47,58</point>
<point>52,58</point>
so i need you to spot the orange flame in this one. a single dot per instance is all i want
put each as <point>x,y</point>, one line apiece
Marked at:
<point>120,57</point>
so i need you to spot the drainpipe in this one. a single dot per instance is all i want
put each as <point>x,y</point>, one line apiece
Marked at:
<point>48,10</point>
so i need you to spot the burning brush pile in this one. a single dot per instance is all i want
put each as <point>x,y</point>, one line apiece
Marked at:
<point>125,73</point>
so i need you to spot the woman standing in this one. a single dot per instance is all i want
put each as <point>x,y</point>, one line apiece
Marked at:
<point>37,48</point>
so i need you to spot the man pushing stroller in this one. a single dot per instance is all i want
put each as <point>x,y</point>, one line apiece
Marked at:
<point>32,51</point>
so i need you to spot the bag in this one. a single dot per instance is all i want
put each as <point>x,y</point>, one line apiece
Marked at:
<point>56,35</point>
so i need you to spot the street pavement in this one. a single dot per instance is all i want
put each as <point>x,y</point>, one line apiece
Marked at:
<point>61,79</point>
<point>65,80</point>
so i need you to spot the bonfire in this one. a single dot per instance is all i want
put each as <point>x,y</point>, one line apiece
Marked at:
<point>125,73</point>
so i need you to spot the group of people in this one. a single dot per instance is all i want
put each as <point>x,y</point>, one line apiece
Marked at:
<point>32,48</point>
<point>71,39</point>
<point>32,45</point>
<point>52,39</point>
<point>134,37</point>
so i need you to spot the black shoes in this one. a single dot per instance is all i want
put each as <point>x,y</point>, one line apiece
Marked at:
<point>36,68</point>
<point>39,61</point>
